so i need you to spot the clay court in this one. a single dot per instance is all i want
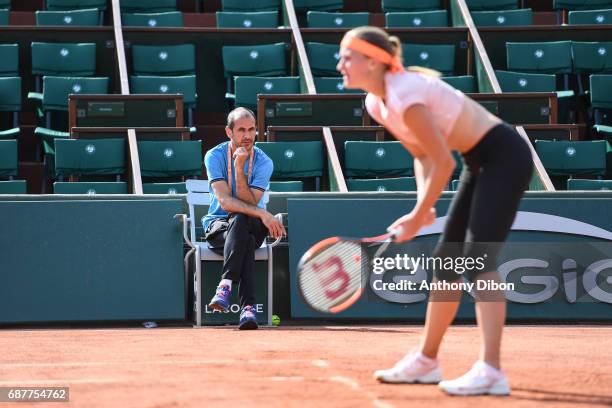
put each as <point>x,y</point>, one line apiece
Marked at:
<point>555,366</point>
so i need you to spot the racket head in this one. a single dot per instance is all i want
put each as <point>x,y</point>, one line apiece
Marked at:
<point>330,274</point>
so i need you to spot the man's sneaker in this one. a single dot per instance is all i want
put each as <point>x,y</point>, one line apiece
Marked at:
<point>248,318</point>
<point>220,301</point>
<point>481,379</point>
<point>413,368</point>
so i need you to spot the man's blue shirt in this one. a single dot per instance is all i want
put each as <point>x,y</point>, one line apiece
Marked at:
<point>216,169</point>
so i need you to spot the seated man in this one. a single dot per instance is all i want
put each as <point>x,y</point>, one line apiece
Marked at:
<point>237,222</point>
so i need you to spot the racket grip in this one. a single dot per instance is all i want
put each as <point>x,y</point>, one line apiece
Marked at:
<point>393,233</point>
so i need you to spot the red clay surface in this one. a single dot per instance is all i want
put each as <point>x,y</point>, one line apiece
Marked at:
<point>297,366</point>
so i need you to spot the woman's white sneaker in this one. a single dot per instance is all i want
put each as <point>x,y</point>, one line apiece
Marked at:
<point>481,379</point>
<point>413,368</point>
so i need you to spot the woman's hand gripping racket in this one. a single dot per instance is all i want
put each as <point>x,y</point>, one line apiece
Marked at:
<point>333,272</point>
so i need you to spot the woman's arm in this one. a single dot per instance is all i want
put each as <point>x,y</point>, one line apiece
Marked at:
<point>433,166</point>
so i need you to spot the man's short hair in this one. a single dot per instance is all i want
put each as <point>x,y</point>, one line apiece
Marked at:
<point>239,113</point>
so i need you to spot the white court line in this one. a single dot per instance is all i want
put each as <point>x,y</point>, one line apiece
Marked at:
<point>354,385</point>
<point>351,383</point>
<point>152,362</point>
<point>46,382</point>
<point>320,363</point>
<point>347,381</point>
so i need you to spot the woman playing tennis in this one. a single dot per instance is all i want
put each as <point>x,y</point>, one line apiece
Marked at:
<point>430,119</point>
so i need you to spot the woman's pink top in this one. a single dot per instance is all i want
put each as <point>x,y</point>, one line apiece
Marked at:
<point>404,89</point>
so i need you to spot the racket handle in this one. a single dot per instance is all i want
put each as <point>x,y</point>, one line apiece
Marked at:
<point>393,233</point>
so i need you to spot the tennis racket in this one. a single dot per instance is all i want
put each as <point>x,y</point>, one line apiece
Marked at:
<point>333,272</point>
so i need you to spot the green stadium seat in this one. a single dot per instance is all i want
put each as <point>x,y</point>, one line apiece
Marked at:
<point>169,158</point>
<point>264,60</point>
<point>55,98</point>
<point>8,169</point>
<point>4,17</point>
<point>464,83</point>
<point>483,5</point>
<point>581,4</point>
<point>8,158</point>
<point>600,91</point>
<point>323,58</point>
<point>553,57</point>
<point>250,5</point>
<point>164,188</point>
<point>11,133</point>
<point>164,59</point>
<point>603,132</point>
<point>185,85</point>
<point>254,60</point>
<point>10,101</point>
<point>390,6</point>
<point>322,19</point>
<point>90,187</point>
<point>57,89</point>
<point>68,18</point>
<point>89,157</point>
<point>417,19</point>
<point>317,5</point>
<point>440,57</point>
<point>64,59</point>
<point>363,159</point>
<point>523,82</point>
<point>62,5</point>
<point>152,20</point>
<point>503,18</point>
<point>295,160</point>
<point>287,186</point>
<point>147,6</point>
<point>580,184</point>
<point>247,88</point>
<point>13,187</point>
<point>10,94</point>
<point>332,85</point>
<point>9,60</point>
<point>592,57</point>
<point>572,158</point>
<point>262,19</point>
<point>590,17</point>
<point>382,184</point>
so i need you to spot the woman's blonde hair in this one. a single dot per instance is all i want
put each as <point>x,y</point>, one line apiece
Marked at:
<point>390,43</point>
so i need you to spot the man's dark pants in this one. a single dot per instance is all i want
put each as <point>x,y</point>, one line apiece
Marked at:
<point>237,237</point>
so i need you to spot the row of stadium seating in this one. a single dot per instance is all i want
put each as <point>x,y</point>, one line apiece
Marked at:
<point>266,14</point>
<point>100,164</point>
<point>367,165</point>
<point>55,94</point>
<point>315,19</point>
<point>171,69</point>
<point>258,81</point>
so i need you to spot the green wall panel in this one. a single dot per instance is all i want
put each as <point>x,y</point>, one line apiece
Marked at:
<point>91,260</point>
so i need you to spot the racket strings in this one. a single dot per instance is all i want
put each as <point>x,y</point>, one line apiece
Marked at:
<point>332,275</point>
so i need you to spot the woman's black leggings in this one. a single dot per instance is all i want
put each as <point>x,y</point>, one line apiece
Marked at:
<point>495,175</point>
